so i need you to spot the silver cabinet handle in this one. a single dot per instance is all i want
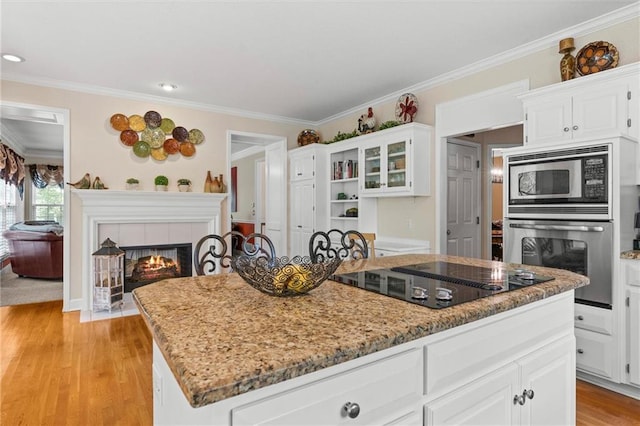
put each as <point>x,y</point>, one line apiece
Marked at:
<point>351,409</point>
<point>575,127</point>
<point>580,318</point>
<point>566,129</point>
<point>580,351</point>
<point>518,399</point>
<point>528,393</point>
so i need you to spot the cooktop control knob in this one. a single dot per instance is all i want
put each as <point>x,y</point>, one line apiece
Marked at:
<point>419,293</point>
<point>525,274</point>
<point>444,293</point>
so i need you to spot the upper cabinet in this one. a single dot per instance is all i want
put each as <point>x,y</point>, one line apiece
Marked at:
<point>395,162</point>
<point>599,104</point>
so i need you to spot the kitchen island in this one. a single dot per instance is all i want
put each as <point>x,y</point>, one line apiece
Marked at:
<point>225,353</point>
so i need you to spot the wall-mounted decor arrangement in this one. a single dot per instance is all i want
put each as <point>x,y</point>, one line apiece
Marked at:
<point>155,136</point>
<point>595,57</point>
<point>406,107</point>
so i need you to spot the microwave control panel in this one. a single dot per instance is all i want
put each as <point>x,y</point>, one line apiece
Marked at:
<point>594,175</point>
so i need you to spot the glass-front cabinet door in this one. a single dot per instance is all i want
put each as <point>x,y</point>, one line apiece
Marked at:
<point>386,167</point>
<point>397,164</point>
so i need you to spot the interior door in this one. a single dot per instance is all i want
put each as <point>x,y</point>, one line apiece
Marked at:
<point>276,195</point>
<point>463,200</point>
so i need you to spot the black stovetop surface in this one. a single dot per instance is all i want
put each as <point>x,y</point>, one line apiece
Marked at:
<point>465,282</point>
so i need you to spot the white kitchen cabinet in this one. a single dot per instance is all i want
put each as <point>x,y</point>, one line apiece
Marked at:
<point>533,389</point>
<point>394,163</point>
<point>488,400</point>
<point>631,277</point>
<point>307,165</point>
<point>302,216</point>
<point>591,106</point>
<point>595,353</point>
<point>378,393</point>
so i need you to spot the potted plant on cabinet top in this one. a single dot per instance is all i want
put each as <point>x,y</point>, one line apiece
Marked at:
<point>132,184</point>
<point>184,185</point>
<point>161,183</point>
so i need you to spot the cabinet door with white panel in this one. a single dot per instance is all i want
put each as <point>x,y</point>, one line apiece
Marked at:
<point>535,389</point>
<point>591,106</point>
<point>631,279</point>
<point>307,166</point>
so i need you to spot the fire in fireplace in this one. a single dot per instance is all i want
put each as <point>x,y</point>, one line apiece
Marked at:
<point>147,264</point>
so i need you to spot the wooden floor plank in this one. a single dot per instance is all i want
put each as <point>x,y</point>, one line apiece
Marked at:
<point>58,371</point>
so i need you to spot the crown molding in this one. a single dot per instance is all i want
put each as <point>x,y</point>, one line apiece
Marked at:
<point>605,21</point>
<point>134,96</point>
<point>247,152</point>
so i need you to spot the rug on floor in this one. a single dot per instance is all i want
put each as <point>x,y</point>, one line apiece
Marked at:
<point>15,290</point>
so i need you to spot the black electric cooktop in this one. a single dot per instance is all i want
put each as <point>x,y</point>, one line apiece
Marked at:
<point>439,285</point>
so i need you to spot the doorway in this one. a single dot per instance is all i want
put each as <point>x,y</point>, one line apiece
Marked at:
<point>27,126</point>
<point>265,196</point>
<point>492,110</point>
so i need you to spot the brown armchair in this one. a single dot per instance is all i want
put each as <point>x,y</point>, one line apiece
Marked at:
<point>35,254</point>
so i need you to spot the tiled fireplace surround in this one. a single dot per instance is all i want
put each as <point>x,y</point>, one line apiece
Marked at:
<point>136,218</point>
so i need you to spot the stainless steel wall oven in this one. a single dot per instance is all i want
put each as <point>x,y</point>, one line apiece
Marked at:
<point>559,214</point>
<point>578,246</point>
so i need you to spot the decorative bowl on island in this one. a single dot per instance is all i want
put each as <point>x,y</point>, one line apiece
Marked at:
<point>283,276</point>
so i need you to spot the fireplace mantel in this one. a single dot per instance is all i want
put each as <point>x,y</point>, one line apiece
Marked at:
<point>124,207</point>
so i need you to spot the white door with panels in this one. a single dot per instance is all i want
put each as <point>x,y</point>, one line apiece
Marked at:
<point>463,199</point>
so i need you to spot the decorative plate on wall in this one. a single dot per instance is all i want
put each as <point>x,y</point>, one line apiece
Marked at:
<point>154,136</point>
<point>406,107</point>
<point>595,57</point>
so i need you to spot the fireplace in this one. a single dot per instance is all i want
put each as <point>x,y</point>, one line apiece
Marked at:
<point>150,263</point>
<point>136,218</point>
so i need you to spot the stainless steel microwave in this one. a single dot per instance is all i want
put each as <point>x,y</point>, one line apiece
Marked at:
<point>568,183</point>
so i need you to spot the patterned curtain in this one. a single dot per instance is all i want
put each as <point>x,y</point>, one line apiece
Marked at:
<point>43,175</point>
<point>12,168</point>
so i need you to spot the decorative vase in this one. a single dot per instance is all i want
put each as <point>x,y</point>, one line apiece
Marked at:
<point>161,187</point>
<point>207,182</point>
<point>184,188</point>
<point>223,187</point>
<point>133,186</point>
<point>568,62</point>
<point>215,186</point>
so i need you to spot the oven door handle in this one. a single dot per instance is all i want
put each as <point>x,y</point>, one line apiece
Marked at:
<point>580,228</point>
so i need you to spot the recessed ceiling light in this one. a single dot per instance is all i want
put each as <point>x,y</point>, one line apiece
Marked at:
<point>168,87</point>
<point>12,58</point>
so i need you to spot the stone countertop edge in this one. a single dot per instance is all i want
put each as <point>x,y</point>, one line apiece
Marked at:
<point>222,338</point>
<point>630,254</point>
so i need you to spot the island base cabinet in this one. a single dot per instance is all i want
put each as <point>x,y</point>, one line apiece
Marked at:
<point>534,390</point>
<point>486,401</point>
<point>385,392</point>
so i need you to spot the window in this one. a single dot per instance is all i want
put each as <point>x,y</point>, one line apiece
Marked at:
<point>47,203</point>
<point>8,211</point>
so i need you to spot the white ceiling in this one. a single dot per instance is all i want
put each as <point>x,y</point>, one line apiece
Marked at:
<point>303,61</point>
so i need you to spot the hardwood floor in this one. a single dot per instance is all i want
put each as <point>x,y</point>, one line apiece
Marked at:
<point>58,371</point>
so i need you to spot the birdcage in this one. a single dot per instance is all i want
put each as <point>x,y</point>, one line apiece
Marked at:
<point>108,273</point>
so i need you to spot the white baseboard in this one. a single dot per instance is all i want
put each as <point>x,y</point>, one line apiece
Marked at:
<point>627,390</point>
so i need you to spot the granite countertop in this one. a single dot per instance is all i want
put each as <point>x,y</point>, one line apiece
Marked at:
<point>221,337</point>
<point>630,254</point>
